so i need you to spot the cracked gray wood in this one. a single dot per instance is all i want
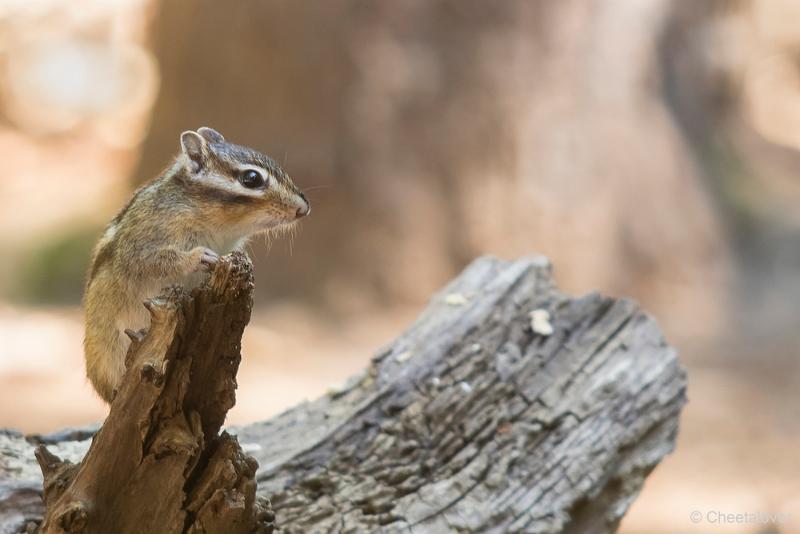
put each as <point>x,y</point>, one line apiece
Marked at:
<point>474,421</point>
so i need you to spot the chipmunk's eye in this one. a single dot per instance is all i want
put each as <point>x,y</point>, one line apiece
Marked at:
<point>251,179</point>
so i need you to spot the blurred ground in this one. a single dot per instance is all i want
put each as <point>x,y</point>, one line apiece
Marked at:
<point>736,452</point>
<point>290,355</point>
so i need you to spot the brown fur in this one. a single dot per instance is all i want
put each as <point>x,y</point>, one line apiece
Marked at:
<point>164,234</point>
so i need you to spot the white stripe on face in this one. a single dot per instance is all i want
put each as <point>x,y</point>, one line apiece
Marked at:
<point>232,185</point>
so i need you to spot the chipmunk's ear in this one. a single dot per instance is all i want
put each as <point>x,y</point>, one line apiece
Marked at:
<point>196,150</point>
<point>211,135</point>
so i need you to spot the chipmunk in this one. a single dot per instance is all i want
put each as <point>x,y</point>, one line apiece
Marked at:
<point>213,197</point>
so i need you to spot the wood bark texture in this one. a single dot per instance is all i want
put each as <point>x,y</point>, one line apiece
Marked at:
<point>159,463</point>
<point>506,407</point>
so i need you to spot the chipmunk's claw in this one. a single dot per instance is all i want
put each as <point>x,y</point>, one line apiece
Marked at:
<point>135,336</point>
<point>209,259</point>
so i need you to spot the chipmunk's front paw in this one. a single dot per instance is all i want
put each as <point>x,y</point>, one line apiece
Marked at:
<point>206,259</point>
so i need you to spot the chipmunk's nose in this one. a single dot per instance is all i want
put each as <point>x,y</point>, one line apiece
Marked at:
<point>302,212</point>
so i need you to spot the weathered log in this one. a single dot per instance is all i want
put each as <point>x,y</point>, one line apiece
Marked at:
<point>506,407</point>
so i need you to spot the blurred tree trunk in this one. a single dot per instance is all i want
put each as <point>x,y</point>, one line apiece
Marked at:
<point>441,129</point>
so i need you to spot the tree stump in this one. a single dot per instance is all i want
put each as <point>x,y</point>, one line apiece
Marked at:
<point>159,463</point>
<point>506,407</point>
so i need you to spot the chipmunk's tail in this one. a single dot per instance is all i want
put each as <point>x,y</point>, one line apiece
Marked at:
<point>104,349</point>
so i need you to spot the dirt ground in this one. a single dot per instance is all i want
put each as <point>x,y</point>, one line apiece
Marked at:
<point>737,449</point>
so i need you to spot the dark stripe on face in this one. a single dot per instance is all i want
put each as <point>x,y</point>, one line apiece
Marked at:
<point>224,197</point>
<point>209,193</point>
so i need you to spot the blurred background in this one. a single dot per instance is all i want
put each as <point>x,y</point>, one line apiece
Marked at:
<point>650,148</point>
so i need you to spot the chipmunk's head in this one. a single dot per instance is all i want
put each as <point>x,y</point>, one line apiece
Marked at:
<point>245,188</point>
